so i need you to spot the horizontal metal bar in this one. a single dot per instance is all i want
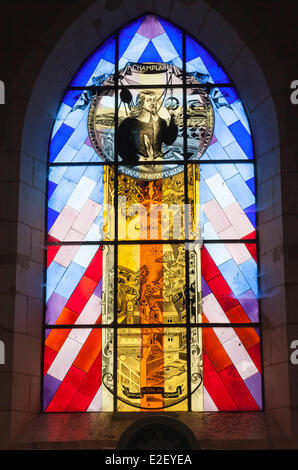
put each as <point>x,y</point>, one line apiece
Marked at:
<point>154,242</point>
<point>152,86</point>
<point>116,326</point>
<point>152,162</point>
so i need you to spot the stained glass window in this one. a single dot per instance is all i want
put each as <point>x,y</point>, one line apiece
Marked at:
<point>152,282</point>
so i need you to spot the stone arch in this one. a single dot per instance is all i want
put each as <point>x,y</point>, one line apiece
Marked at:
<point>91,27</point>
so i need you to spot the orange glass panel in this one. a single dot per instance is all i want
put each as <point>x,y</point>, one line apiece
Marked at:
<point>89,351</point>
<point>67,317</point>
<point>152,369</point>
<point>215,351</point>
<point>151,284</point>
<point>56,338</point>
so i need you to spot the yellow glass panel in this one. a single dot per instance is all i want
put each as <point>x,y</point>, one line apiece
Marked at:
<point>194,248</point>
<point>108,204</point>
<point>151,284</point>
<point>152,369</point>
<point>194,203</point>
<point>107,296</point>
<point>151,210</point>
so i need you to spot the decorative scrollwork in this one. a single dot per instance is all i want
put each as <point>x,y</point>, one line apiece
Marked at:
<point>108,349</point>
<point>195,350</point>
<point>108,377</point>
<point>195,377</point>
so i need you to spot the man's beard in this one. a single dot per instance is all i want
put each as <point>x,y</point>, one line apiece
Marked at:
<point>152,110</point>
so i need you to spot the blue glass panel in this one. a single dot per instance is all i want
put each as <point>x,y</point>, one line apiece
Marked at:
<point>51,188</point>
<point>251,184</point>
<point>74,173</point>
<point>197,68</point>
<point>61,195</point>
<point>194,50</point>
<point>55,174</point>
<point>249,271</point>
<point>207,171</point>
<point>174,35</point>
<point>134,51</point>
<point>242,137</point>
<point>150,54</point>
<point>227,171</point>
<point>79,135</point>
<point>71,97</point>
<point>85,154</point>
<point>70,280</point>
<point>233,139</point>
<point>224,195</point>
<point>97,220</point>
<point>205,193</point>
<point>246,171</point>
<point>97,196</point>
<point>150,39</point>
<point>95,158</point>
<point>221,131</point>
<point>240,191</point>
<point>235,152</point>
<point>203,220</point>
<point>240,112</point>
<point>215,151</point>
<point>251,214</point>
<point>126,35</point>
<point>233,276</point>
<point>76,200</point>
<point>229,93</point>
<point>218,252</point>
<point>54,274</point>
<point>218,74</point>
<point>105,53</point>
<point>206,63</point>
<point>165,48</point>
<point>59,140</point>
<point>52,216</point>
<point>94,173</point>
<point>66,155</point>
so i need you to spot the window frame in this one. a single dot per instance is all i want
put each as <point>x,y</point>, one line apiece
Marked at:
<point>188,325</point>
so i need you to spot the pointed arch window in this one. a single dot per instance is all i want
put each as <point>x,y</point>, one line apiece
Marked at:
<point>151,284</point>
